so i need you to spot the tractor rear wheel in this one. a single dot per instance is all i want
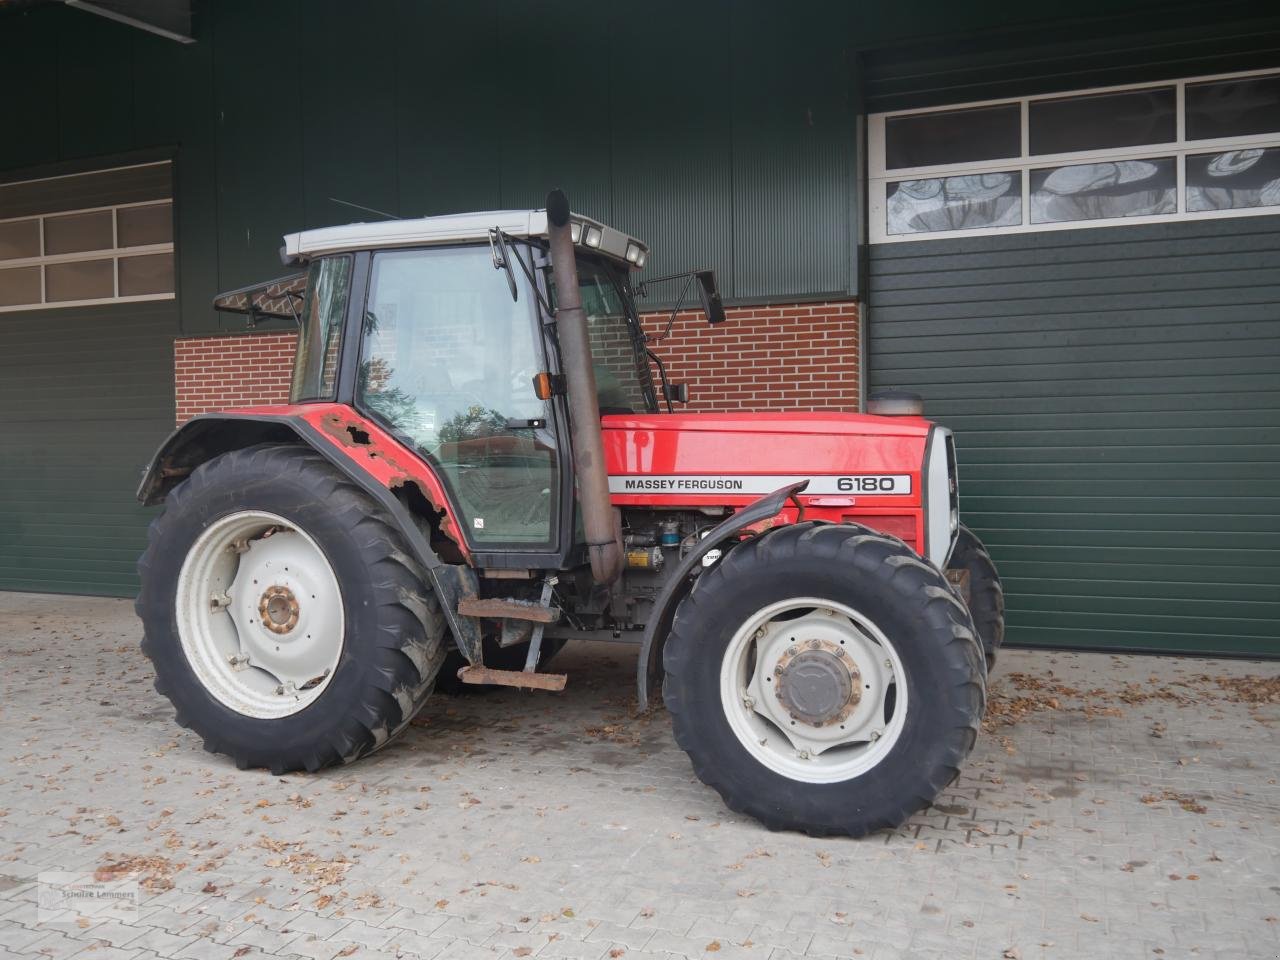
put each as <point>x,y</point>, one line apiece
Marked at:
<point>823,678</point>
<point>285,619</point>
<point>985,593</point>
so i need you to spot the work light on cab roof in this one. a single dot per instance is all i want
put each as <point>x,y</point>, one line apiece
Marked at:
<point>481,460</point>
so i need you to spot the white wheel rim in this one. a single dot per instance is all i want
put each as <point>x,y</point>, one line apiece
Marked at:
<point>855,733</point>
<point>260,614</point>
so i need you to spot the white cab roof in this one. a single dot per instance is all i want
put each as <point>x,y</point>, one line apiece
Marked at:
<point>453,228</point>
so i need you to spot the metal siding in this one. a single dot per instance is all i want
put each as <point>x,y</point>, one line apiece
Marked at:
<point>259,147</point>
<point>672,161</point>
<point>792,148</point>
<point>1118,44</point>
<point>1115,395</point>
<point>87,395</point>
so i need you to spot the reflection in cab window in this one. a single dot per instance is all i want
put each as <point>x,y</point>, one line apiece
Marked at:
<point>448,362</point>
<point>623,381</point>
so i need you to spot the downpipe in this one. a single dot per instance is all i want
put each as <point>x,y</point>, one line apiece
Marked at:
<point>599,523</point>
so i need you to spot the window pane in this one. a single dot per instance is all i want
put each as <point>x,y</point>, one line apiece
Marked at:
<point>85,280</point>
<point>149,274</point>
<point>955,203</point>
<point>315,365</point>
<point>78,232</point>
<point>1233,180</point>
<point>953,136</point>
<point>1101,191</point>
<point>1103,121</point>
<point>19,285</point>
<point>1233,108</point>
<point>137,226</point>
<point>20,238</point>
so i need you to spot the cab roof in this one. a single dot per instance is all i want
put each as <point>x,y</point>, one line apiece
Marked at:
<point>451,228</point>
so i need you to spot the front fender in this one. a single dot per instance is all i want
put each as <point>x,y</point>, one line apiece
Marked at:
<point>204,437</point>
<point>678,585</point>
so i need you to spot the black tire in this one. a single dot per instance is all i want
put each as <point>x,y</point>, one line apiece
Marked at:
<point>395,633</point>
<point>907,599</point>
<point>986,595</point>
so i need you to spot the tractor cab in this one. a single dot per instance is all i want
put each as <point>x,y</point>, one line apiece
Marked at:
<point>442,331</point>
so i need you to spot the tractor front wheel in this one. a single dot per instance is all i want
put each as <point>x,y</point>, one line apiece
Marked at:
<point>285,619</point>
<point>823,678</point>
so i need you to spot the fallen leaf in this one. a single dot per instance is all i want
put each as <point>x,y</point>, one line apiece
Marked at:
<point>712,947</point>
<point>522,951</point>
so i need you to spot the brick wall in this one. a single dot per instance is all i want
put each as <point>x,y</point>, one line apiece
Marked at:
<point>776,357</point>
<point>213,373</point>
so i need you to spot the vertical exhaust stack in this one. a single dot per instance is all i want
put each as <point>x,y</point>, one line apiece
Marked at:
<point>598,523</point>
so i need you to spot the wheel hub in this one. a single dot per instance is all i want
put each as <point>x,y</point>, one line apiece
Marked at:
<point>260,614</point>
<point>278,607</point>
<point>817,682</point>
<point>806,685</point>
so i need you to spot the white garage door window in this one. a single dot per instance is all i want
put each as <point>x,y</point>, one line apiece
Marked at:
<point>100,253</point>
<point>1189,149</point>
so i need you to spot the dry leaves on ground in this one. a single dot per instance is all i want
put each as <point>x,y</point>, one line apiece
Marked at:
<point>1189,804</point>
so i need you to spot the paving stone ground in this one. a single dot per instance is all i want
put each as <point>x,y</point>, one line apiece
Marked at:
<point>1118,807</point>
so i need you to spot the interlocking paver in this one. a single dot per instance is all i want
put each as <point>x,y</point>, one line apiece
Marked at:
<point>1075,830</point>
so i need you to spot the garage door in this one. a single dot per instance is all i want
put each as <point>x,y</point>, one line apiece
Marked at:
<point>1116,400</point>
<point>1085,285</point>
<point>87,320</point>
<point>85,394</point>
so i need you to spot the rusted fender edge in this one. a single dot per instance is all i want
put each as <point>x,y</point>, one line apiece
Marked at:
<point>184,450</point>
<point>649,666</point>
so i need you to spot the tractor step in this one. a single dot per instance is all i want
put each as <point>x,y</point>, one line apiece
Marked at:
<point>504,609</point>
<point>513,678</point>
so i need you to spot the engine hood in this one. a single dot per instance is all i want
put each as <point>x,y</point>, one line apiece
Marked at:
<point>821,422</point>
<point>699,455</point>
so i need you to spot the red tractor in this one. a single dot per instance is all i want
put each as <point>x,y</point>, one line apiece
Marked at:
<point>476,466</point>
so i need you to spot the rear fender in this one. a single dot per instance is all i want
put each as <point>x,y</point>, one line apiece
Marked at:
<point>332,431</point>
<point>681,581</point>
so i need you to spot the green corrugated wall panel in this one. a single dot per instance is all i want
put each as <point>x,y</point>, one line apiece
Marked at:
<point>792,164</point>
<point>348,136</point>
<point>672,155</point>
<point>1116,400</point>
<point>260,68</point>
<point>87,394</point>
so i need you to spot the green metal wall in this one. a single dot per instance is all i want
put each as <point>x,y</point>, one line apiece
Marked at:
<point>720,132</point>
<point>87,394</point>
<point>1115,395</point>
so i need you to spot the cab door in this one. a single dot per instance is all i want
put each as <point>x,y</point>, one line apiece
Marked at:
<point>448,362</point>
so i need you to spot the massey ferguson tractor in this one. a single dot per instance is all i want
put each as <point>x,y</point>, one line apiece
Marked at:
<point>476,466</point>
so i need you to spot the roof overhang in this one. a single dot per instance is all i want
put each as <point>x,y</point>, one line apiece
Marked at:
<point>165,18</point>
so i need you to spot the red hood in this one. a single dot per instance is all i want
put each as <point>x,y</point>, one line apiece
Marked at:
<point>831,423</point>
<point>763,444</point>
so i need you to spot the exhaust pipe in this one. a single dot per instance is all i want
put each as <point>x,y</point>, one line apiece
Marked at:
<point>599,519</point>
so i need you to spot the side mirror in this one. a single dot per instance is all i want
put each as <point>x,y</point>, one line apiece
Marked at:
<point>676,392</point>
<point>708,293</point>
